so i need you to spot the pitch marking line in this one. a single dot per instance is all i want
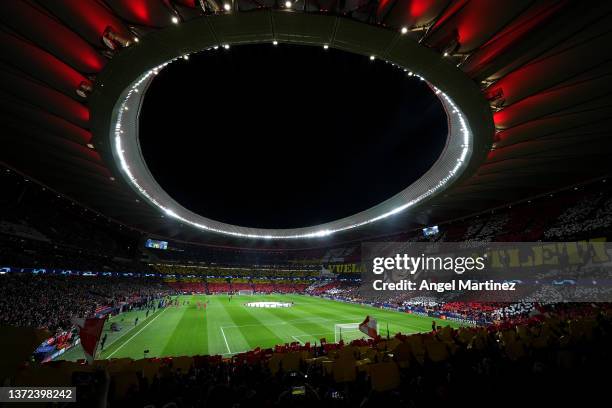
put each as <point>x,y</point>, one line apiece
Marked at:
<point>229,351</point>
<point>234,353</point>
<point>308,335</point>
<point>131,329</point>
<point>284,324</point>
<point>291,322</point>
<point>136,334</point>
<point>311,335</point>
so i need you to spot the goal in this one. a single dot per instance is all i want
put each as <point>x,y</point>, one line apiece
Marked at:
<point>348,332</point>
<point>245,292</point>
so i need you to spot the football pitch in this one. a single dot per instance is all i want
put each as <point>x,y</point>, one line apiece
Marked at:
<point>229,327</point>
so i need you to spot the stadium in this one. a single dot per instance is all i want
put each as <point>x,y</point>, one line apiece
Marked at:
<point>246,203</point>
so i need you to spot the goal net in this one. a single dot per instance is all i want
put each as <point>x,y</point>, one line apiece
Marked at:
<point>245,292</point>
<point>348,332</point>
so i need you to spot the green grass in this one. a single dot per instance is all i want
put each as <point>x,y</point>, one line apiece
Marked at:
<point>230,327</point>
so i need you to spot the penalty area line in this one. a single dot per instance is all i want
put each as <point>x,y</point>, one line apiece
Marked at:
<point>314,337</point>
<point>225,338</point>
<point>136,334</point>
<point>286,322</point>
<point>131,329</point>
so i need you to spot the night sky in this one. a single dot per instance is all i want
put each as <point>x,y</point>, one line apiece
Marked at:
<point>287,136</point>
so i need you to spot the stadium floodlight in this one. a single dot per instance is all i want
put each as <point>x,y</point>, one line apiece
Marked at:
<point>227,7</point>
<point>450,165</point>
<point>84,89</point>
<point>404,30</point>
<point>175,20</point>
<point>113,40</point>
<point>288,4</point>
<point>274,42</point>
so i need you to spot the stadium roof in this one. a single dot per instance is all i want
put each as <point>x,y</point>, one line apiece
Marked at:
<point>544,67</point>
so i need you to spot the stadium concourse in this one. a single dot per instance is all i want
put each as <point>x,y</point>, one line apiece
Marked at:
<point>190,191</point>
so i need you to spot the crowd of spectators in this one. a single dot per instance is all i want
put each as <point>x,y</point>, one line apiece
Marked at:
<point>558,357</point>
<point>574,214</point>
<point>208,285</point>
<point>254,272</point>
<point>50,301</point>
<point>482,312</point>
<point>592,213</point>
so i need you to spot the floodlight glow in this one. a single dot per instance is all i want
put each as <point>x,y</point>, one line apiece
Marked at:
<point>274,42</point>
<point>288,4</point>
<point>227,7</point>
<point>175,20</point>
<point>404,30</point>
<point>372,58</point>
<point>126,150</point>
<point>325,47</point>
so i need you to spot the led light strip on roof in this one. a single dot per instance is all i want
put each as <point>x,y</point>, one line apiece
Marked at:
<point>126,150</point>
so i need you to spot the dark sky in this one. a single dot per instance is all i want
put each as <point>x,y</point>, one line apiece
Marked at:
<point>287,136</point>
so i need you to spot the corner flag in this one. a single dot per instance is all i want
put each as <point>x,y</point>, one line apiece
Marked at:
<point>369,327</point>
<point>90,331</point>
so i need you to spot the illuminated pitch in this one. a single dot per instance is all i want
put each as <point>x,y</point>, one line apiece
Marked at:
<point>228,327</point>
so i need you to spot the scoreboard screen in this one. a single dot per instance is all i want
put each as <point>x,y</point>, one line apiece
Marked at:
<point>429,231</point>
<point>155,244</point>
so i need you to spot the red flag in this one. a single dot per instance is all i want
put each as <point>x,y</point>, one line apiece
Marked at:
<point>90,331</point>
<point>369,327</point>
